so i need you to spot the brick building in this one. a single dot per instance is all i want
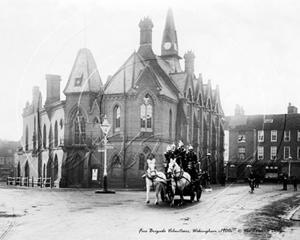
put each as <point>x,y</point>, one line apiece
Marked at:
<point>269,144</point>
<point>7,158</point>
<point>150,103</point>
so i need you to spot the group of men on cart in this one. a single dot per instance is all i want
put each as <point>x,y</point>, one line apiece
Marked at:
<point>186,159</point>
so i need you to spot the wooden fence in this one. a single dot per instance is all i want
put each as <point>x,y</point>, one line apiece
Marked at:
<point>33,182</point>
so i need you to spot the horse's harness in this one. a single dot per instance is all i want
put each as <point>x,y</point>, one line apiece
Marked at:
<point>177,178</point>
<point>152,178</point>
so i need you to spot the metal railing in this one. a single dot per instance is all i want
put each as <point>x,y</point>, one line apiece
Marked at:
<point>27,182</point>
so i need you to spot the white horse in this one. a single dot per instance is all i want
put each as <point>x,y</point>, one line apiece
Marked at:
<point>180,180</point>
<point>155,179</point>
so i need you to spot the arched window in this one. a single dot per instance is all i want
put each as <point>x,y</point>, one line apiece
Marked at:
<point>209,104</point>
<point>34,134</point>
<point>61,123</point>
<point>190,95</point>
<point>116,161</point>
<point>144,155</point>
<point>80,134</point>
<point>117,118</point>
<point>200,100</point>
<point>26,139</point>
<point>50,136</point>
<point>56,134</point>
<point>146,114</point>
<point>170,123</point>
<point>44,136</point>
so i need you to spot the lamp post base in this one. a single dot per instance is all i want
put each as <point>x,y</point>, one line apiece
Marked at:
<point>105,187</point>
<point>104,191</point>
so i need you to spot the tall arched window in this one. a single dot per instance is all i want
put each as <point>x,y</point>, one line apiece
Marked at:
<point>26,138</point>
<point>143,156</point>
<point>34,134</point>
<point>209,104</point>
<point>56,134</point>
<point>146,114</point>
<point>50,136</point>
<point>45,136</point>
<point>170,123</point>
<point>117,118</point>
<point>80,134</point>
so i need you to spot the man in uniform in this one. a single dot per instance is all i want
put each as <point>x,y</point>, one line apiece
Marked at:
<point>180,155</point>
<point>191,160</point>
<point>168,155</point>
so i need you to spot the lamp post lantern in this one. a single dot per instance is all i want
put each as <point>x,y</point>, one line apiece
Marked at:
<point>105,126</point>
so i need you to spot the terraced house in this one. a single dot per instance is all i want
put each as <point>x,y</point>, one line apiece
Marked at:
<point>268,144</point>
<point>150,102</point>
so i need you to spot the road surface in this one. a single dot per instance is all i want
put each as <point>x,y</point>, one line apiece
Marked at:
<point>229,212</point>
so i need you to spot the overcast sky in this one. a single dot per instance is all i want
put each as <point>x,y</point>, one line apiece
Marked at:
<point>249,48</point>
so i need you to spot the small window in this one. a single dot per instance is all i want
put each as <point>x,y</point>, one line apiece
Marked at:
<point>286,152</point>
<point>287,136</point>
<point>273,152</point>
<point>298,136</point>
<point>117,118</point>
<point>274,136</point>
<point>260,136</point>
<point>1,160</point>
<point>298,153</point>
<point>260,153</point>
<point>242,136</point>
<point>116,161</point>
<point>242,151</point>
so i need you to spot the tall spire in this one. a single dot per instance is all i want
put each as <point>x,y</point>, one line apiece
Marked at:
<point>169,44</point>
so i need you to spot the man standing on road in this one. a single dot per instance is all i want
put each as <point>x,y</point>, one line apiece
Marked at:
<point>284,181</point>
<point>294,182</point>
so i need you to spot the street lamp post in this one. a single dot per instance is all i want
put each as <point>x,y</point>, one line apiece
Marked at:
<point>105,126</point>
<point>208,161</point>
<point>289,173</point>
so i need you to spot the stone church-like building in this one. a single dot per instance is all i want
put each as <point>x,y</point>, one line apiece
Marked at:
<point>150,102</point>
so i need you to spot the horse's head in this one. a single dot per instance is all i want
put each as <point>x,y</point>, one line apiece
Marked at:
<point>151,167</point>
<point>172,166</point>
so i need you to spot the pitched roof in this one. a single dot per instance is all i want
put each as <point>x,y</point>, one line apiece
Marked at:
<point>84,76</point>
<point>127,75</point>
<point>264,122</point>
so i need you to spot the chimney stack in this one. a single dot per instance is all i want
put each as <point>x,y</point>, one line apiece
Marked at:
<point>53,88</point>
<point>292,109</point>
<point>239,111</point>
<point>146,26</point>
<point>189,58</point>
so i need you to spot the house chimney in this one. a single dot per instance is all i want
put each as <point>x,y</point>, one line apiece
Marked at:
<point>146,26</point>
<point>292,109</point>
<point>239,111</point>
<point>189,58</point>
<point>53,88</point>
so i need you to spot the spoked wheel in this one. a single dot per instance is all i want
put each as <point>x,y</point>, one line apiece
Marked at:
<point>163,196</point>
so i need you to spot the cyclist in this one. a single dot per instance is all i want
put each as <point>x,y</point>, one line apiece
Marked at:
<point>251,179</point>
